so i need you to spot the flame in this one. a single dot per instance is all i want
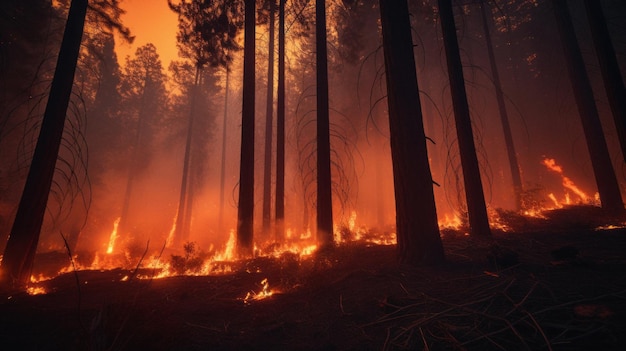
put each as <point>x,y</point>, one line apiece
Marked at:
<point>450,222</point>
<point>170,236</point>
<point>229,251</point>
<point>263,294</point>
<point>551,164</point>
<point>113,236</point>
<point>352,221</point>
<point>36,290</point>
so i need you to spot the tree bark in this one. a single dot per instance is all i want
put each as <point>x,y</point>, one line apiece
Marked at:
<point>245,213</point>
<point>504,116</point>
<point>181,232</point>
<point>269,116</point>
<point>220,226</point>
<point>611,75</point>
<point>280,128</point>
<point>416,215</point>
<point>19,253</point>
<point>606,181</point>
<point>324,182</point>
<point>476,208</point>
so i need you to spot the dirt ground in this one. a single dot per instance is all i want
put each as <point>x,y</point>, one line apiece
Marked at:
<point>553,284</point>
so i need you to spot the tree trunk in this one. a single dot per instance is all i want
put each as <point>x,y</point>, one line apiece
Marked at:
<point>476,208</point>
<point>269,116</point>
<point>280,128</point>
<point>134,161</point>
<point>504,116</point>
<point>603,171</point>
<point>416,216</point>
<point>21,247</point>
<point>245,213</point>
<point>611,75</point>
<point>182,225</point>
<point>324,182</point>
<point>220,226</point>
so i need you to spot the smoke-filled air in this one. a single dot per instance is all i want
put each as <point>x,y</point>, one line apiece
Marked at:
<point>266,144</point>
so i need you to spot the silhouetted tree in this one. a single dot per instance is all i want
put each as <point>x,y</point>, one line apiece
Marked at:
<point>22,244</point>
<point>206,36</point>
<point>269,116</point>
<point>324,179</point>
<point>220,224</point>
<point>606,181</point>
<point>416,215</point>
<point>504,116</point>
<point>144,92</point>
<point>280,127</point>
<point>611,75</point>
<point>476,208</point>
<point>245,214</point>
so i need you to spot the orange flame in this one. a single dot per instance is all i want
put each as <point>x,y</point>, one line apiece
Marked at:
<point>113,236</point>
<point>263,294</point>
<point>170,236</point>
<point>550,163</point>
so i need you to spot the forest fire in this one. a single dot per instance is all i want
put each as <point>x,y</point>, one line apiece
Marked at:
<point>328,174</point>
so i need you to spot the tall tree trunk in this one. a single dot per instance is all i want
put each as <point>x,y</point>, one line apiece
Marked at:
<point>269,116</point>
<point>182,225</point>
<point>476,208</point>
<point>416,215</point>
<point>613,83</point>
<point>280,128</point>
<point>134,161</point>
<point>504,116</point>
<point>220,226</point>
<point>606,180</point>
<point>245,213</point>
<point>324,182</point>
<point>19,253</point>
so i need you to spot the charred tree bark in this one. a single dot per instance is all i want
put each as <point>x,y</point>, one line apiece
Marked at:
<point>324,181</point>
<point>245,213</point>
<point>19,253</point>
<point>280,128</point>
<point>611,75</point>
<point>416,216</point>
<point>269,116</point>
<point>504,116</point>
<point>181,232</point>
<point>476,208</point>
<point>606,181</point>
<point>220,226</point>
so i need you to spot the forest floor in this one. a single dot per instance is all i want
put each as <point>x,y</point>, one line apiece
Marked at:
<point>557,283</point>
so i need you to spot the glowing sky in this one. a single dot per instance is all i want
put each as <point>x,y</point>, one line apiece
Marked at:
<point>150,21</point>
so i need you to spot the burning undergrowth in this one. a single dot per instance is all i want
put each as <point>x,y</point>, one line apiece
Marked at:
<point>558,285</point>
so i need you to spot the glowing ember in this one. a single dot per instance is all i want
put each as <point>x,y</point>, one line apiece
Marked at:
<point>113,236</point>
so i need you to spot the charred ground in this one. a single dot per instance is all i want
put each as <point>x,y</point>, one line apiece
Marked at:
<point>554,283</point>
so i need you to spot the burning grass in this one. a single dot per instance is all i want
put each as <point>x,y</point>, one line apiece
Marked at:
<point>559,284</point>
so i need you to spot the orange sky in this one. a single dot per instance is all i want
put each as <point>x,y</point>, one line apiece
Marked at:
<point>150,21</point>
